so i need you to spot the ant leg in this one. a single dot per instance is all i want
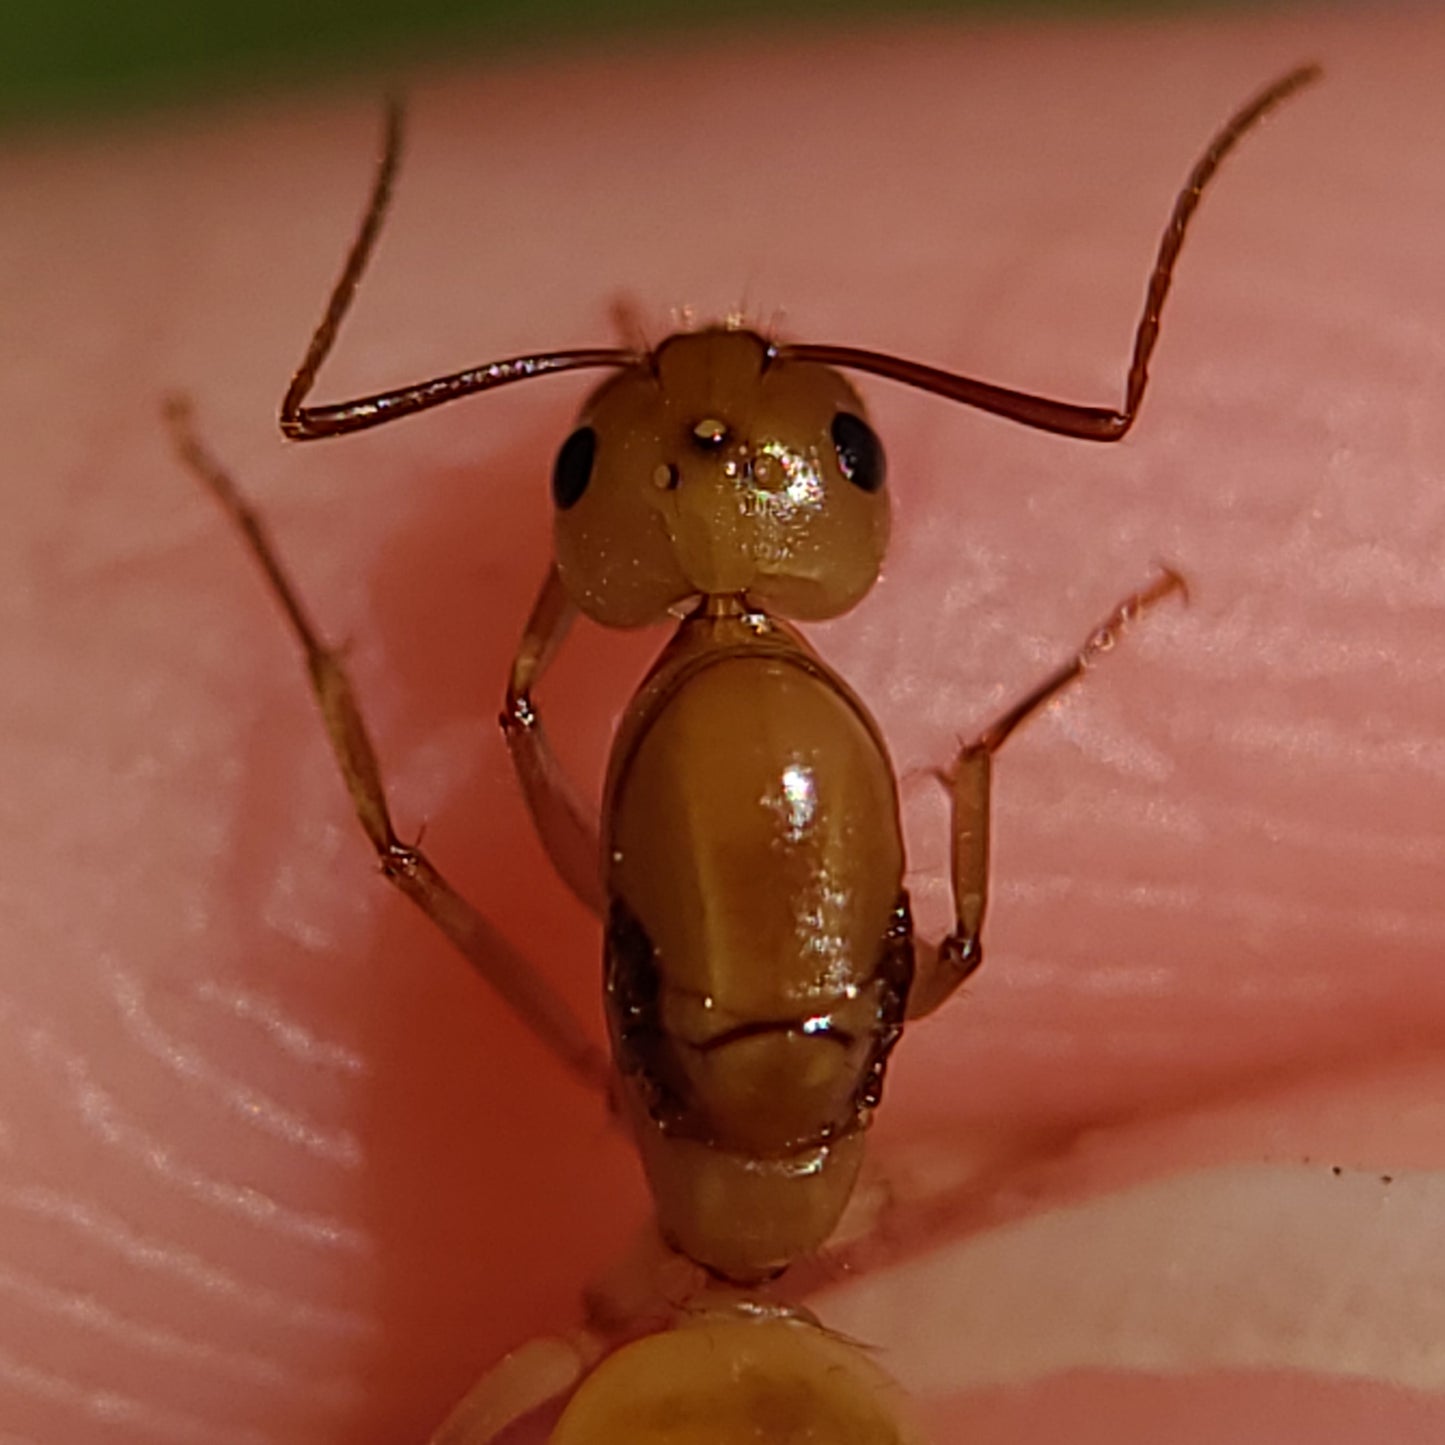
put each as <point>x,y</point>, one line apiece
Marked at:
<point>523,1381</point>
<point>520,986</point>
<point>644,1290</point>
<point>940,969</point>
<point>567,828</point>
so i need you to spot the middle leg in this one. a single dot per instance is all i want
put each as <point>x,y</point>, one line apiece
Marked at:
<point>404,865</point>
<point>941,968</point>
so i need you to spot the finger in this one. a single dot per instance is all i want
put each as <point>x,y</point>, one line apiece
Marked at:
<point>246,1088</point>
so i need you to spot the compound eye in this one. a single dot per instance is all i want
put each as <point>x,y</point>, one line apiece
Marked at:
<point>573,468</point>
<point>860,453</point>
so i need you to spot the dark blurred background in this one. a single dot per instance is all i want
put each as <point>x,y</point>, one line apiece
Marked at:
<point>73,58</point>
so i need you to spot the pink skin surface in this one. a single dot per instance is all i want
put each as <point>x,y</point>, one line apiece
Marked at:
<point>275,1170</point>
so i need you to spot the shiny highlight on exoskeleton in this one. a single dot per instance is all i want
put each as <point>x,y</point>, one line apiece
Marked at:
<point>747,864</point>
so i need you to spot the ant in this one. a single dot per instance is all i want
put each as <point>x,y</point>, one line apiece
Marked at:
<point>760,962</point>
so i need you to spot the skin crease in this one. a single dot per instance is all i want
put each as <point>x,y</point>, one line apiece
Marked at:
<point>273,1168</point>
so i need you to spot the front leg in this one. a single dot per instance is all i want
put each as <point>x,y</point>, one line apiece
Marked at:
<point>567,828</point>
<point>939,969</point>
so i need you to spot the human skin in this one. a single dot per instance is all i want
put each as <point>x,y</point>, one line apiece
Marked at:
<point>277,1169</point>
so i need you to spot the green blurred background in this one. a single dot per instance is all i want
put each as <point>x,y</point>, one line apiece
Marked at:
<point>77,57</point>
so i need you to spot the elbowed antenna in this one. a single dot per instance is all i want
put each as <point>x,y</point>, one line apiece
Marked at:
<point>306,423</point>
<point>1089,423</point>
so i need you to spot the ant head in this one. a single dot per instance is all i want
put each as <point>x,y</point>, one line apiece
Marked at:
<point>717,465</point>
<point>723,464</point>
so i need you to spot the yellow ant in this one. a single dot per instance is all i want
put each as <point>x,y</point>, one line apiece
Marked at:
<point>760,961</point>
